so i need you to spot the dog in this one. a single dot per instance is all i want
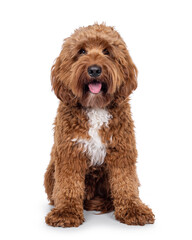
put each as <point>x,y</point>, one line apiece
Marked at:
<point>93,159</point>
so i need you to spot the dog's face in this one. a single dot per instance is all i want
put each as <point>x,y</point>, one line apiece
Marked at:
<point>94,67</point>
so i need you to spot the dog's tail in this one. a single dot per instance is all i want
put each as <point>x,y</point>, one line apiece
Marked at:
<point>103,205</point>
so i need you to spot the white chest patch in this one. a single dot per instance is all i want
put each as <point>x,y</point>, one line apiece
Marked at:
<point>94,147</point>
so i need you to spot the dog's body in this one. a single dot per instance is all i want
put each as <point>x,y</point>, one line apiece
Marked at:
<point>94,153</point>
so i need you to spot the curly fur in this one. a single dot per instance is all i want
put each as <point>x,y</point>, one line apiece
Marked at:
<point>93,159</point>
<point>94,147</point>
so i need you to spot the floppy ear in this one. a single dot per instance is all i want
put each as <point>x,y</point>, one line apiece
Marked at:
<point>56,81</point>
<point>58,76</point>
<point>130,75</point>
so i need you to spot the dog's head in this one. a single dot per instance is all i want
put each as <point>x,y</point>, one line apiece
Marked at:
<point>94,68</point>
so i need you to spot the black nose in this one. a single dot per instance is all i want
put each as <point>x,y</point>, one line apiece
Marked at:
<point>94,71</point>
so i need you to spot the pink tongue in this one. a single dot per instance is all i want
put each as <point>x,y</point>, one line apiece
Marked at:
<point>94,87</point>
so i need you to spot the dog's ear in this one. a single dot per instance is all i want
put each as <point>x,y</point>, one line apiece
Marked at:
<point>130,75</point>
<point>56,81</point>
<point>58,77</point>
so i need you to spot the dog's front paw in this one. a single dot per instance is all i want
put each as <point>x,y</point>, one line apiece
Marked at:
<point>63,218</point>
<point>136,213</point>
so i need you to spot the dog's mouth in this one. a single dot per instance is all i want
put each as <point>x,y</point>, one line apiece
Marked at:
<point>95,87</point>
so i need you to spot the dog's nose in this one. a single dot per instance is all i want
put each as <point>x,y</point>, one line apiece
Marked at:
<point>94,71</point>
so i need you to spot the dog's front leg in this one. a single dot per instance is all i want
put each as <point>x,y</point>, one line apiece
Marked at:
<point>68,191</point>
<point>124,184</point>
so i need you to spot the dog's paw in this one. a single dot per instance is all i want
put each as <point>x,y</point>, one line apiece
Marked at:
<point>63,218</point>
<point>135,214</point>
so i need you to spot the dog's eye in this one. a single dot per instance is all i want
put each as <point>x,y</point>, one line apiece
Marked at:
<point>105,51</point>
<point>82,51</point>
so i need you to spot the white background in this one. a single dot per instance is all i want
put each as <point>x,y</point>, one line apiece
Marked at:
<point>159,37</point>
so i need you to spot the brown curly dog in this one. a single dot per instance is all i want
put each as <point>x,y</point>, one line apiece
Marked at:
<point>93,159</point>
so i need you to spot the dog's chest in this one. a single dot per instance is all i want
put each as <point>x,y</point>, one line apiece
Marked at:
<point>94,147</point>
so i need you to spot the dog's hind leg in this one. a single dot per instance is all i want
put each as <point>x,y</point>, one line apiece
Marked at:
<point>49,179</point>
